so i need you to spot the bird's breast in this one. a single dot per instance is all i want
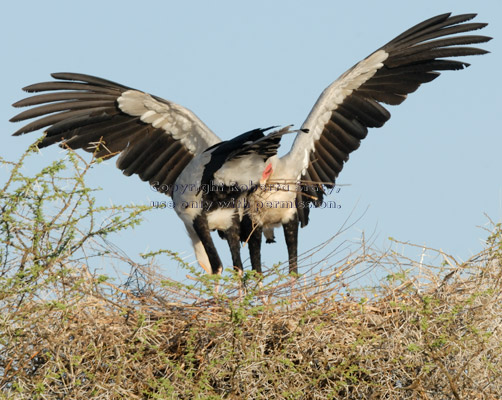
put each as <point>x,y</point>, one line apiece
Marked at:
<point>273,205</point>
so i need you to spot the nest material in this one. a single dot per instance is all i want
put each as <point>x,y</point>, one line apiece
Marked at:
<point>306,340</point>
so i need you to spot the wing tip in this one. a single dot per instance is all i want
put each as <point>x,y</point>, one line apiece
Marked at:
<point>67,76</point>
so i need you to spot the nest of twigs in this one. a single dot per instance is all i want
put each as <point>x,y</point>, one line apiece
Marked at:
<point>428,336</point>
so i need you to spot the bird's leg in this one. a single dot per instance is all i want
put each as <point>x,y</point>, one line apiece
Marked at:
<point>201,227</point>
<point>252,234</point>
<point>291,236</point>
<point>232,235</point>
<point>255,249</point>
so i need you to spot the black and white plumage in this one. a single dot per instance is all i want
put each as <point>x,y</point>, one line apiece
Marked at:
<point>162,142</point>
<point>224,174</point>
<point>165,143</point>
<point>340,119</point>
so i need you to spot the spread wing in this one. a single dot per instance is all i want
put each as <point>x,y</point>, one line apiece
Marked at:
<point>155,138</point>
<point>340,119</point>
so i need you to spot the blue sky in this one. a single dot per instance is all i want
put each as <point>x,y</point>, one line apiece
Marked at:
<point>428,176</point>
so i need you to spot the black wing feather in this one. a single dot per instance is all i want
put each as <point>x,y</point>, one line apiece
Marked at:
<point>81,111</point>
<point>414,57</point>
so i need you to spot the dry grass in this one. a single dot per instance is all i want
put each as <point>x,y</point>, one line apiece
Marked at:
<point>425,332</point>
<point>92,340</point>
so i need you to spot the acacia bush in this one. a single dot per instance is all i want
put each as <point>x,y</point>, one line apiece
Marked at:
<point>426,331</point>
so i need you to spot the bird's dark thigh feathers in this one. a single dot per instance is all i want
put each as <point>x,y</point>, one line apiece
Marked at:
<point>291,236</point>
<point>201,227</point>
<point>252,235</point>
<point>232,235</point>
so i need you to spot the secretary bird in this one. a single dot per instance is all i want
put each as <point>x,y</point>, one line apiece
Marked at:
<point>340,119</point>
<point>162,142</point>
<point>167,145</point>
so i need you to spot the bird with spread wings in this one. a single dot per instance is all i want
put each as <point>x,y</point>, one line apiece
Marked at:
<point>169,146</point>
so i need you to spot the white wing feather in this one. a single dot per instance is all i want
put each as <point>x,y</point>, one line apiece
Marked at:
<point>179,121</point>
<point>298,158</point>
